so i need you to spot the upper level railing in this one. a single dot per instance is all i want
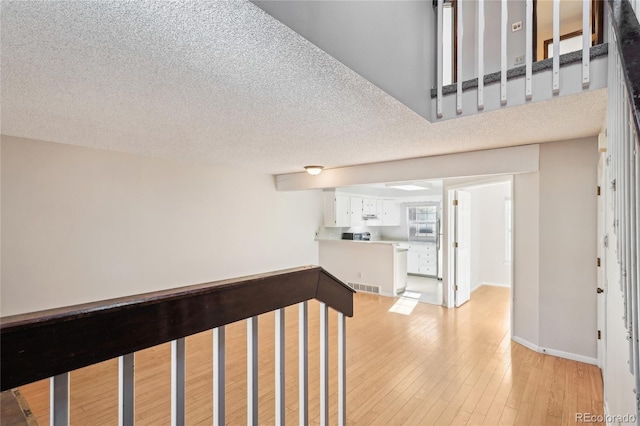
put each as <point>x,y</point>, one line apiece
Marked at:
<point>483,45</point>
<point>51,343</point>
<point>623,144</point>
<point>624,24</point>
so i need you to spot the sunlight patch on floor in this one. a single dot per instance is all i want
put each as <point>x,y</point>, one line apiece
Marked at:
<point>405,304</point>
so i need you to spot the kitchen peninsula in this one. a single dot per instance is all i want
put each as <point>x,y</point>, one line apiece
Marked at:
<point>373,266</point>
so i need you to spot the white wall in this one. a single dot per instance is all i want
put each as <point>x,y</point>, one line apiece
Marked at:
<point>82,225</point>
<point>362,263</point>
<point>488,230</point>
<point>390,43</point>
<point>516,41</point>
<point>526,258</point>
<point>568,242</point>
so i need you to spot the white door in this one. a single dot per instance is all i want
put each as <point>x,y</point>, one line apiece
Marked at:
<point>463,247</point>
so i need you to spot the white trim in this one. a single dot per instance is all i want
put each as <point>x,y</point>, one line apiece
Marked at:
<point>606,412</point>
<point>555,352</point>
<point>527,344</point>
<point>489,284</point>
<point>496,285</point>
<point>512,269</point>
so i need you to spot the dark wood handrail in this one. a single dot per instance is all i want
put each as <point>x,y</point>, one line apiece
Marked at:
<point>42,344</point>
<point>625,24</point>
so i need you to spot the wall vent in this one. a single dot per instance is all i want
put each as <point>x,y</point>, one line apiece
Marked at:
<point>366,288</point>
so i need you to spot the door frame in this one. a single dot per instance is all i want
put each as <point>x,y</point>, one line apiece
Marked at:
<point>448,216</point>
<point>456,246</point>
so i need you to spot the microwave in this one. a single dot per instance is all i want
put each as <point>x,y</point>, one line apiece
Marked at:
<point>351,236</point>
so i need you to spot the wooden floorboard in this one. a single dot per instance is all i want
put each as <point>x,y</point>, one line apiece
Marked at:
<point>434,366</point>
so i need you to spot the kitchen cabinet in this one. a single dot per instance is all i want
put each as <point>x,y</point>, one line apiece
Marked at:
<point>344,210</point>
<point>390,213</point>
<point>370,207</point>
<point>422,259</point>
<point>337,210</point>
<point>356,211</point>
<point>413,262</point>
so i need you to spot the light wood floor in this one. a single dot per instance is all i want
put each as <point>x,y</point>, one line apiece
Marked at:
<point>434,366</point>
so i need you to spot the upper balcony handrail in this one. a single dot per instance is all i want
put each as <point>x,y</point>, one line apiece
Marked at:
<point>38,345</point>
<point>627,29</point>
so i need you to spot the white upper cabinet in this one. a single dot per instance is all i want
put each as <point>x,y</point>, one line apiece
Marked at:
<point>357,207</point>
<point>390,215</point>
<point>337,210</point>
<point>370,207</point>
<point>343,210</point>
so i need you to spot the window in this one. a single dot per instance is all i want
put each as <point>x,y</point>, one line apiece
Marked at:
<point>568,43</point>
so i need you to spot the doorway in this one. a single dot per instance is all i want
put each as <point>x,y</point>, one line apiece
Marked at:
<point>481,238</point>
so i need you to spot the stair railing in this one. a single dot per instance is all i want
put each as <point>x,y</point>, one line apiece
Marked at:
<point>50,344</point>
<point>623,144</point>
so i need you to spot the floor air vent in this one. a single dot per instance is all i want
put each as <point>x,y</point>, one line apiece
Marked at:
<point>366,288</point>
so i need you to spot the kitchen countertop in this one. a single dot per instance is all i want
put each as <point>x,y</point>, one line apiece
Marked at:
<point>377,241</point>
<point>388,242</point>
<point>357,241</point>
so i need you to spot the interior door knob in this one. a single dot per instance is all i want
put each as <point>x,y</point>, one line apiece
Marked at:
<point>599,290</point>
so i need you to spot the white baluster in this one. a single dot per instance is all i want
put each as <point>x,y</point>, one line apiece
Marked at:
<point>252,371</point>
<point>177,381</point>
<point>59,400</point>
<point>480,54</point>
<point>303,363</point>
<point>324,364</point>
<point>556,46</point>
<point>342,370</point>
<point>503,53</point>
<point>586,40</point>
<point>631,240</point>
<point>440,61</point>
<point>459,59</point>
<point>219,376</point>
<point>279,367</point>
<point>529,50</point>
<point>126,390</point>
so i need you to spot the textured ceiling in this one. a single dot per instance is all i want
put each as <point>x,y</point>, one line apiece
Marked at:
<point>225,83</point>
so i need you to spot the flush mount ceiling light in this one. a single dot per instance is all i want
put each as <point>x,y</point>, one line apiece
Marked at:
<point>408,187</point>
<point>313,170</point>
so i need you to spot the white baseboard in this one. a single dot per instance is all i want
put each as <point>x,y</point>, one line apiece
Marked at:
<point>497,285</point>
<point>555,352</point>
<point>490,284</point>
<point>525,343</point>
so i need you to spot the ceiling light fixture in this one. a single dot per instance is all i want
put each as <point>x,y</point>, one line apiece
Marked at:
<point>408,187</point>
<point>313,170</point>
